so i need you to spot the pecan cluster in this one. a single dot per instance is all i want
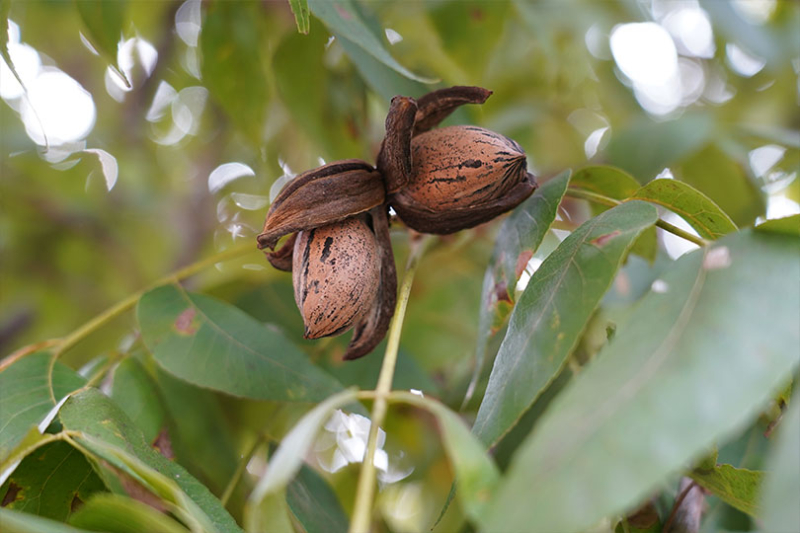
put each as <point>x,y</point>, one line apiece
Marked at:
<point>437,180</point>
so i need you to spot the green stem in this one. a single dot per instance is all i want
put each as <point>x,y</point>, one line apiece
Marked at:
<point>365,491</point>
<point>611,202</point>
<point>122,306</point>
<point>240,469</point>
<point>65,343</point>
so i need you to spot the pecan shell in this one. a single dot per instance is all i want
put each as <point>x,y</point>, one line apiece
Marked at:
<point>336,276</point>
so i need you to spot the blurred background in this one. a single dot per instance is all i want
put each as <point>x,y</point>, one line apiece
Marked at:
<point>128,156</point>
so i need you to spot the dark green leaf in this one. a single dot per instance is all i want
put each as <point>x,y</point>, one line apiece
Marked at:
<point>693,206</point>
<point>113,513</point>
<point>608,181</point>
<point>589,455</point>
<point>107,433</point>
<point>17,522</point>
<point>25,396</point>
<point>331,122</point>
<point>476,475</point>
<point>51,482</point>
<point>288,459</point>
<point>232,66</point>
<point>343,18</point>
<point>384,80</point>
<point>782,484</point>
<point>136,393</point>
<point>104,21</point>
<point>737,487</point>
<point>618,184</point>
<point>725,181</point>
<point>212,344</point>
<point>521,233</point>
<point>314,504</point>
<point>788,225</point>
<point>201,419</point>
<point>469,31</point>
<point>647,147</point>
<point>301,15</point>
<point>551,314</point>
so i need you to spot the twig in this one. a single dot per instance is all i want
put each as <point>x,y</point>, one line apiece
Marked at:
<point>365,491</point>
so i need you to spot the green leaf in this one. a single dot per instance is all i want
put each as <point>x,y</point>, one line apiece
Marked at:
<point>521,233</point>
<point>328,120</point>
<point>232,66</point>
<point>212,344</point>
<point>113,513</point>
<point>104,21</point>
<point>737,487</point>
<point>788,225</point>
<point>469,31</point>
<point>201,420</point>
<point>383,80</point>
<point>693,206</point>
<point>782,483</point>
<point>551,314</point>
<point>646,147</point>
<point>343,17</point>
<point>697,360</point>
<point>476,475</point>
<point>51,482</point>
<point>17,522</point>
<point>314,504</point>
<point>301,15</point>
<point>618,184</point>
<point>288,458</point>
<point>725,181</point>
<point>608,181</point>
<point>25,396</point>
<point>107,433</point>
<point>137,394</point>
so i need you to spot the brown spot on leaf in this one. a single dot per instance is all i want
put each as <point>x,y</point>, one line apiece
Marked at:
<point>183,324</point>
<point>645,517</point>
<point>522,262</point>
<point>12,494</point>
<point>163,444</point>
<point>501,292</point>
<point>75,504</point>
<point>603,239</point>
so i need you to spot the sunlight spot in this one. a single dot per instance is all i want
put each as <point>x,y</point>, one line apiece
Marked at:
<point>779,206</point>
<point>108,164</point>
<point>250,202</point>
<point>764,158</point>
<point>674,245</point>
<point>597,42</point>
<point>27,62</point>
<point>188,22</point>
<point>755,11</point>
<point>225,174</point>
<point>593,141</point>
<point>691,28</point>
<point>66,110</point>
<point>165,95</point>
<point>717,258</point>
<point>392,36</point>
<point>130,53</point>
<point>743,63</point>
<point>416,392</point>
<point>659,286</point>
<point>89,46</point>
<point>665,174</point>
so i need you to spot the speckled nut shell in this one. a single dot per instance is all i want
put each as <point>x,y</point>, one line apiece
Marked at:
<point>336,276</point>
<point>461,176</point>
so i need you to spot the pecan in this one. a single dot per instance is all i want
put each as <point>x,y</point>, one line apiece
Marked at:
<point>449,179</point>
<point>336,275</point>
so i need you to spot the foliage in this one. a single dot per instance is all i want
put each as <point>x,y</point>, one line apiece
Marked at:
<point>559,370</point>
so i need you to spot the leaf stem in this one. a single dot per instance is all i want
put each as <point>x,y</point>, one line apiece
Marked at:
<point>237,475</point>
<point>120,307</point>
<point>612,202</point>
<point>365,491</point>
